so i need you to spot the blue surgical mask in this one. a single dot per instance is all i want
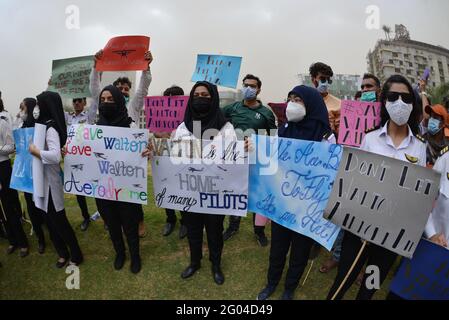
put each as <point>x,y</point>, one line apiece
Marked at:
<point>434,126</point>
<point>126,99</point>
<point>369,96</point>
<point>323,87</point>
<point>249,93</point>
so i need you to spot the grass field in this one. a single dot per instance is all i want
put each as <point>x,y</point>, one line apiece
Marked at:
<point>163,259</point>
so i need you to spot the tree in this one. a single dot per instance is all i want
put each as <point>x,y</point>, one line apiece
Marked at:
<point>438,94</point>
<point>387,31</point>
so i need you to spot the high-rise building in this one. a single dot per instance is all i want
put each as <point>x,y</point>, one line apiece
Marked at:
<point>410,58</point>
<point>344,86</point>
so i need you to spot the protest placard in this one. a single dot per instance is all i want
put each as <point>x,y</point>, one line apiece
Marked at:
<point>105,163</point>
<point>22,174</point>
<point>126,53</point>
<point>295,193</point>
<point>165,114</point>
<point>355,118</point>
<point>217,69</point>
<point>70,77</point>
<point>383,200</point>
<point>426,276</point>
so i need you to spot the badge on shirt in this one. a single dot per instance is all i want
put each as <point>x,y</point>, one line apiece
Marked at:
<point>257,116</point>
<point>411,159</point>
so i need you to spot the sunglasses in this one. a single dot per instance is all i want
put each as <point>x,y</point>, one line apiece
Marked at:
<point>406,97</point>
<point>323,80</point>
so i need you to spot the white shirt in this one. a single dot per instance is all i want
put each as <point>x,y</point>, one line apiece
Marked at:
<point>6,137</point>
<point>51,158</point>
<point>136,104</point>
<point>411,149</point>
<point>438,222</point>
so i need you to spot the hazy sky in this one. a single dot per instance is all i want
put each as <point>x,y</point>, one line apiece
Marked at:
<point>276,38</point>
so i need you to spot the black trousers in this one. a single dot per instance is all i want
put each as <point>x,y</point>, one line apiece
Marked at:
<point>36,217</point>
<point>120,216</point>
<point>171,216</point>
<point>281,241</point>
<point>83,206</point>
<point>140,213</point>
<point>373,255</point>
<point>2,223</point>
<point>195,223</point>
<point>234,224</point>
<point>11,207</point>
<point>61,233</point>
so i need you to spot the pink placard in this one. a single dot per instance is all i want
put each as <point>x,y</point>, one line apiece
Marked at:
<point>165,114</point>
<point>261,221</point>
<point>357,117</point>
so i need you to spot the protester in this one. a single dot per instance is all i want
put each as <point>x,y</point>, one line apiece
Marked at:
<point>9,197</point>
<point>249,114</point>
<point>437,133</point>
<point>397,138</point>
<point>370,88</point>
<point>49,112</point>
<point>308,119</point>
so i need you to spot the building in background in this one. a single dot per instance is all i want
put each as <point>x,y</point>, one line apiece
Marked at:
<point>344,86</point>
<point>401,55</point>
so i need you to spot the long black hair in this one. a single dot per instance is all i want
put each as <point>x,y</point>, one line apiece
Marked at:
<point>2,107</point>
<point>29,103</point>
<point>413,121</point>
<point>52,113</point>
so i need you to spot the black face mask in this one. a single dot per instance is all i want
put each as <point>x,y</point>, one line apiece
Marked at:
<point>108,110</point>
<point>201,105</point>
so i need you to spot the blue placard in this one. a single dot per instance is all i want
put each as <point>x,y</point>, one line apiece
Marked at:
<point>219,70</point>
<point>22,175</point>
<point>290,183</point>
<point>426,276</point>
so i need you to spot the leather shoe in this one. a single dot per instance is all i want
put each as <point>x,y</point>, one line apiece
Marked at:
<point>182,231</point>
<point>11,249</point>
<point>61,265</point>
<point>190,271</point>
<point>24,252</point>
<point>266,293</point>
<point>119,261</point>
<point>136,265</point>
<point>168,229</point>
<point>287,295</point>
<point>218,275</point>
<point>228,234</point>
<point>85,225</point>
<point>41,248</point>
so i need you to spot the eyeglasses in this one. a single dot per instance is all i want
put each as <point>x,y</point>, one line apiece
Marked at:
<point>406,97</point>
<point>324,79</point>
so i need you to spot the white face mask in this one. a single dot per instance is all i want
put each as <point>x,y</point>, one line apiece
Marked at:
<point>295,112</point>
<point>36,112</point>
<point>399,111</point>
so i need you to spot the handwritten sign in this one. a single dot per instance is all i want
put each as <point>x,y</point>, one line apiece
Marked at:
<point>295,193</point>
<point>355,118</point>
<point>22,174</point>
<point>426,276</point>
<point>105,163</point>
<point>219,70</point>
<point>383,200</point>
<point>70,77</point>
<point>165,114</point>
<point>279,110</point>
<point>125,53</point>
<point>210,184</point>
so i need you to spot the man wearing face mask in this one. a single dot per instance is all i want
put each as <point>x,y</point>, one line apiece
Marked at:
<point>321,76</point>
<point>249,114</point>
<point>437,135</point>
<point>370,88</point>
<point>134,105</point>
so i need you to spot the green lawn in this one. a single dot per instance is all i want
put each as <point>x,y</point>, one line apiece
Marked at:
<point>163,259</point>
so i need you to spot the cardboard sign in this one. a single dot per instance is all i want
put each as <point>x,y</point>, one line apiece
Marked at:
<point>22,173</point>
<point>165,114</point>
<point>207,185</point>
<point>125,53</point>
<point>219,70</point>
<point>355,118</point>
<point>426,276</point>
<point>105,163</point>
<point>279,110</point>
<point>383,200</point>
<point>294,193</point>
<point>70,77</point>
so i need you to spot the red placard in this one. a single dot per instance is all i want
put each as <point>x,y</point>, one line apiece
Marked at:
<point>124,54</point>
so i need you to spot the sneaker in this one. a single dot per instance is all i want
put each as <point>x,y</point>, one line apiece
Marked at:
<point>262,240</point>
<point>228,234</point>
<point>95,216</point>
<point>266,293</point>
<point>85,225</point>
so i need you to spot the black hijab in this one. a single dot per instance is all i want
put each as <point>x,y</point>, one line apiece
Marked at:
<point>52,113</point>
<point>29,103</point>
<point>213,119</point>
<point>315,124</point>
<point>120,118</point>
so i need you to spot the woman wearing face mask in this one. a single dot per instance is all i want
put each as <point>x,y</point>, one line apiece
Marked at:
<point>36,216</point>
<point>49,112</point>
<point>120,217</point>
<point>9,197</point>
<point>308,119</point>
<point>437,134</point>
<point>203,108</point>
<point>397,138</point>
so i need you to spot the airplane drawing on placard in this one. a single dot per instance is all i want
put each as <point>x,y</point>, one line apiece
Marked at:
<point>191,169</point>
<point>138,135</point>
<point>77,167</point>
<point>137,186</point>
<point>100,155</point>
